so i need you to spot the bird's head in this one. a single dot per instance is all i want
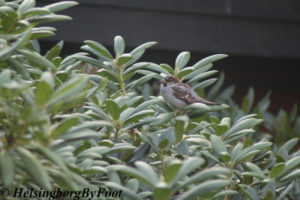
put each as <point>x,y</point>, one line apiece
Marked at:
<point>169,80</point>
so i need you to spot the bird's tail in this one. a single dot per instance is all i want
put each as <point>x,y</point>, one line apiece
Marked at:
<point>208,102</point>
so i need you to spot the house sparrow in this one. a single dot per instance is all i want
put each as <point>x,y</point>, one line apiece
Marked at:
<point>178,94</point>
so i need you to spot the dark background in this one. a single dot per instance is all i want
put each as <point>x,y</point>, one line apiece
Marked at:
<point>261,37</point>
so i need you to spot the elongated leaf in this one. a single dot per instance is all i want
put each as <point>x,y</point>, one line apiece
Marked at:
<point>289,165</point>
<point>124,58</point>
<point>147,171</point>
<point>182,59</point>
<point>68,89</point>
<point>100,49</point>
<point>256,169</point>
<point>37,58</point>
<point>113,109</point>
<point>55,7</point>
<point>218,145</point>
<point>204,84</point>
<point>131,172</point>
<point>185,71</point>
<point>42,93</point>
<point>162,191</point>
<point>243,124</point>
<point>139,115</point>
<point>35,11</point>
<point>276,170</point>
<point>167,68</point>
<point>204,175</point>
<point>172,170</point>
<point>7,51</point>
<point>209,60</point>
<point>48,18</point>
<point>203,188</point>
<point>26,5</point>
<point>7,169</point>
<point>119,45</point>
<point>34,168</point>
<point>142,47</point>
<point>63,127</point>
<point>125,191</point>
<point>187,167</point>
<point>18,67</point>
<point>202,76</point>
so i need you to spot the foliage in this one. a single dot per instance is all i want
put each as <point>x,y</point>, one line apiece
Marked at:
<point>91,120</point>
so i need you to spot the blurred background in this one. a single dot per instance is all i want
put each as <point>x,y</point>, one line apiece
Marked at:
<point>261,37</point>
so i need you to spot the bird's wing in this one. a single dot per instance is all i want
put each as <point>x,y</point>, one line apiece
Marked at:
<point>182,91</point>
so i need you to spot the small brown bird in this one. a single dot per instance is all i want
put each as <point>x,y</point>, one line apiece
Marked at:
<point>180,95</point>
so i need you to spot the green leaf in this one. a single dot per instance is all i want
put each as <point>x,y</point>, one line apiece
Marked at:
<point>203,188</point>
<point>202,76</point>
<point>187,167</point>
<point>55,7</point>
<point>131,172</point>
<point>218,145</point>
<point>7,169</point>
<point>289,145</point>
<point>37,58</point>
<point>63,127</point>
<point>185,71</point>
<point>204,175</point>
<point>242,124</point>
<point>223,194</point>
<point>7,51</point>
<point>254,168</point>
<point>291,176</point>
<point>113,109</point>
<point>133,184</point>
<point>125,191</point>
<point>48,18</point>
<point>204,84</point>
<point>157,68</point>
<point>167,68</point>
<point>162,191</point>
<point>34,168</point>
<point>249,192</point>
<point>182,59</point>
<point>147,171</point>
<point>276,170</point>
<point>172,170</point>
<point>100,49</point>
<point>18,67</point>
<point>179,130</point>
<point>65,91</point>
<point>200,108</point>
<point>54,51</point>
<point>124,58</point>
<point>26,5</point>
<point>35,11</point>
<point>141,80</point>
<point>139,115</point>
<point>119,45</point>
<point>289,165</point>
<point>208,60</point>
<point>288,189</point>
<point>56,159</point>
<point>42,93</point>
<point>142,47</point>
